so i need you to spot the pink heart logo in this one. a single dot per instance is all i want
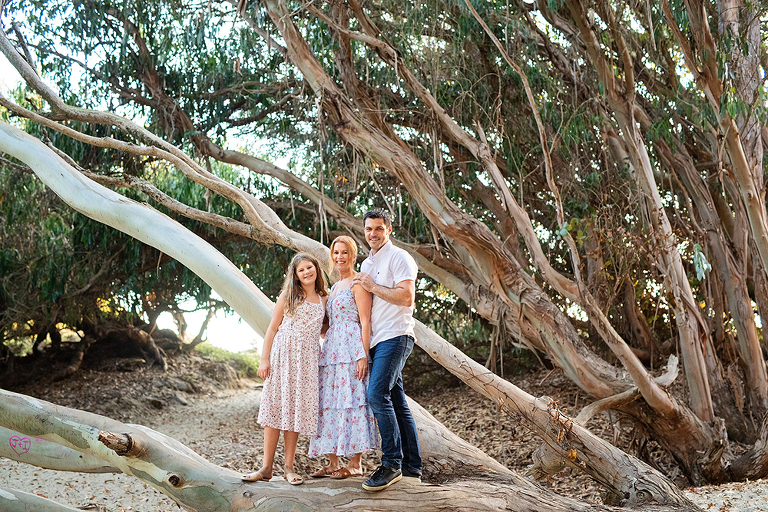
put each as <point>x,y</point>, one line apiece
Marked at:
<point>20,445</point>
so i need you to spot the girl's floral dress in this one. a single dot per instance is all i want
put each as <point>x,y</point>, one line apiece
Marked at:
<point>346,424</point>
<point>290,396</point>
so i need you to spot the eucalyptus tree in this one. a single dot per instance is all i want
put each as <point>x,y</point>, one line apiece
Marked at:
<point>567,169</point>
<point>61,269</point>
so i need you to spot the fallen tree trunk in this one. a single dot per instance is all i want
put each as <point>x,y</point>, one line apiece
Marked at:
<point>49,455</point>
<point>197,485</point>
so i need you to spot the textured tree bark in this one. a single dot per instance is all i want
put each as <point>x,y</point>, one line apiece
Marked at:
<point>687,317</point>
<point>753,464</point>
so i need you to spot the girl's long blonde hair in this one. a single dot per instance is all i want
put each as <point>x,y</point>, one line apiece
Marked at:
<point>295,295</point>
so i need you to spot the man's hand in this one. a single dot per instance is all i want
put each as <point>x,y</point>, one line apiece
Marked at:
<point>365,281</point>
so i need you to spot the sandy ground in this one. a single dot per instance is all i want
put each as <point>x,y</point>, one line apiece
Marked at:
<point>222,428</point>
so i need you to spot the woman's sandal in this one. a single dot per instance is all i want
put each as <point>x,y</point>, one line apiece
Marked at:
<point>345,473</point>
<point>256,476</point>
<point>324,472</point>
<point>293,478</point>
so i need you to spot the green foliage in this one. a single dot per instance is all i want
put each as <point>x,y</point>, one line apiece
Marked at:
<point>58,266</point>
<point>246,363</point>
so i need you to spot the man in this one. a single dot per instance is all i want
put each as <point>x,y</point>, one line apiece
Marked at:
<point>389,273</point>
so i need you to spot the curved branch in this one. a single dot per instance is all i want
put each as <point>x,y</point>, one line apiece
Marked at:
<point>141,222</point>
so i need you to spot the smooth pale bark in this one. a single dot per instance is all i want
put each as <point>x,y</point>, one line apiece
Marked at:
<point>265,224</point>
<point>140,221</point>
<point>753,199</point>
<point>690,325</point>
<point>49,455</point>
<point>16,501</point>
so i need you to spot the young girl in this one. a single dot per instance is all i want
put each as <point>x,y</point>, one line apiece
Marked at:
<point>289,363</point>
<point>346,426</point>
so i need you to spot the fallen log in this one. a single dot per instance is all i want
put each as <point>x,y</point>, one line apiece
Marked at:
<point>197,485</point>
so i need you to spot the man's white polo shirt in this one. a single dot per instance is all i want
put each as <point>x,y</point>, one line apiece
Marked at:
<point>389,266</point>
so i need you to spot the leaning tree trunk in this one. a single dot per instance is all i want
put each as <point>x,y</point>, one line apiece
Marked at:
<point>620,97</point>
<point>539,323</point>
<point>141,222</point>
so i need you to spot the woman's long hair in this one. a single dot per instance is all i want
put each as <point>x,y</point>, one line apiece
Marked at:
<point>292,286</point>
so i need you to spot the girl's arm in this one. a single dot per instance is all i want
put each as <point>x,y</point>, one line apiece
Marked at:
<point>277,318</point>
<point>363,300</point>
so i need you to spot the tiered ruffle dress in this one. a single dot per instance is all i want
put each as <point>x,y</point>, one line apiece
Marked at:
<point>346,425</point>
<point>290,395</point>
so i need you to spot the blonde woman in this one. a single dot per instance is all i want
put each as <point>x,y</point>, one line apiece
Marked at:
<point>345,425</point>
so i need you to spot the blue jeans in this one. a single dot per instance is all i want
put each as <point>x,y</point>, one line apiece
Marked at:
<point>399,439</point>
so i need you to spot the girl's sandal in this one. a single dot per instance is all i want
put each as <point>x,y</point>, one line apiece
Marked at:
<point>293,479</point>
<point>323,472</point>
<point>256,476</point>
